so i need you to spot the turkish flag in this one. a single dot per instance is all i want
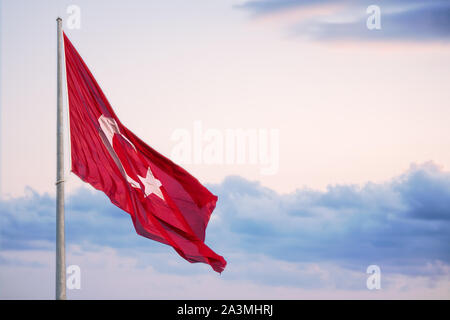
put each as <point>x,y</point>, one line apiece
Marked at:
<point>164,201</point>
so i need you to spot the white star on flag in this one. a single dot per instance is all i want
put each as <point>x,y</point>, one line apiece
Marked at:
<point>151,184</point>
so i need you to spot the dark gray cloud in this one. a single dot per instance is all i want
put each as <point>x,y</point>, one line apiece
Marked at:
<point>29,222</point>
<point>413,20</point>
<point>403,222</point>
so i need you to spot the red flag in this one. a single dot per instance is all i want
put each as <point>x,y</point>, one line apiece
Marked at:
<point>165,202</point>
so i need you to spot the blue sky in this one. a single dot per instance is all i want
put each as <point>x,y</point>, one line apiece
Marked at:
<point>364,151</point>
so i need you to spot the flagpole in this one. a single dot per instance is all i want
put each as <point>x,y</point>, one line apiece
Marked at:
<point>60,234</point>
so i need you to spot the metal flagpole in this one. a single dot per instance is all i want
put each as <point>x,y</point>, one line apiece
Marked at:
<point>1,109</point>
<point>60,234</point>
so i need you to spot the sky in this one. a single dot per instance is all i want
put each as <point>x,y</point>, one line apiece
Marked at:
<point>361,157</point>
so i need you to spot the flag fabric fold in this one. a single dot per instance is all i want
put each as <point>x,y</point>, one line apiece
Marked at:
<point>165,202</point>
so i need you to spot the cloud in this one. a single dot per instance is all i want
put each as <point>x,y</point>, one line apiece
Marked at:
<point>412,20</point>
<point>308,239</point>
<point>107,274</point>
<point>406,220</point>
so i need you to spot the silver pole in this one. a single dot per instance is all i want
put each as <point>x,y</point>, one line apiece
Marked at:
<point>60,234</point>
<point>1,125</point>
